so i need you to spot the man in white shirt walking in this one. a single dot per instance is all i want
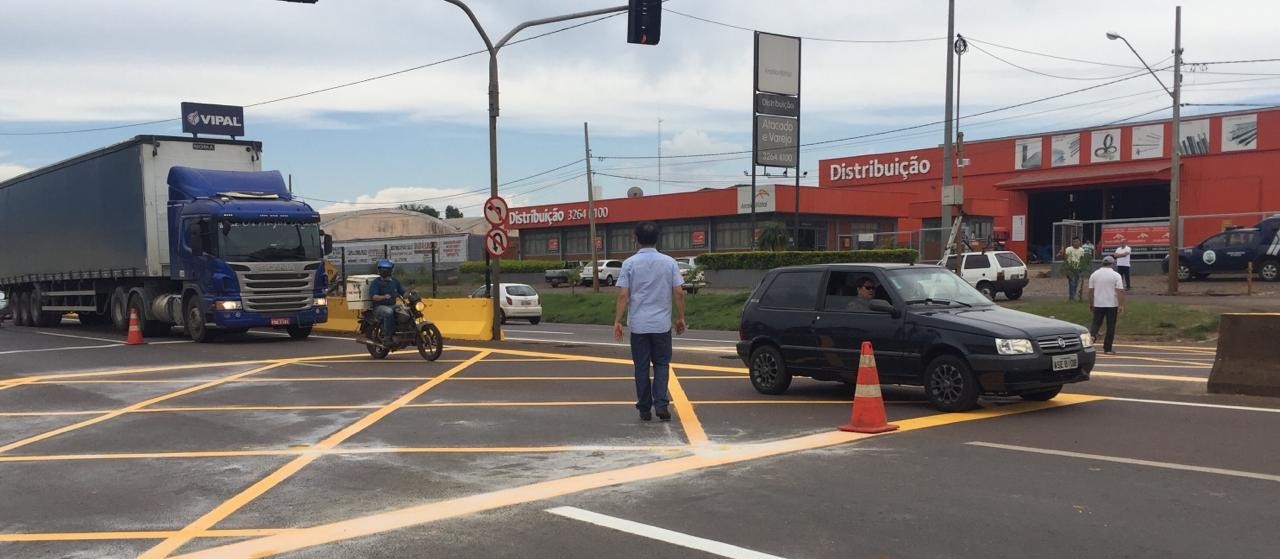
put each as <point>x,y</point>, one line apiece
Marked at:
<point>1122,262</point>
<point>1106,299</point>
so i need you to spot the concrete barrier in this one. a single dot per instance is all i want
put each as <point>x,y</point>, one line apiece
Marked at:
<point>457,319</point>
<point>1247,362</point>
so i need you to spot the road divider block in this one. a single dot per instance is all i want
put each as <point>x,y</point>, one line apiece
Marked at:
<point>457,319</point>
<point>1246,358</point>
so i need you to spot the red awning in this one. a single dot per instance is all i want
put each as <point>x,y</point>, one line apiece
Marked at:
<point>1097,173</point>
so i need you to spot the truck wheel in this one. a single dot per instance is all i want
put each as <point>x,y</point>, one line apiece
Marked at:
<point>1013,294</point>
<point>20,309</point>
<point>1269,270</point>
<point>35,316</point>
<point>118,309</point>
<point>768,372</point>
<point>986,290</point>
<point>299,332</point>
<point>1042,395</point>
<point>949,384</point>
<point>194,321</point>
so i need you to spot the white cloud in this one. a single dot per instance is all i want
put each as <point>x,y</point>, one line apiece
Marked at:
<point>9,170</point>
<point>691,141</point>
<point>466,200</point>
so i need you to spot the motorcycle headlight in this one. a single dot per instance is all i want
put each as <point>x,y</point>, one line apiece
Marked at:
<point>1014,347</point>
<point>228,305</point>
<point>421,306</point>
<point>1086,340</point>
<point>320,302</point>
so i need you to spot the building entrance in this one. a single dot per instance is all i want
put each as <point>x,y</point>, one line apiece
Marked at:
<point>1111,201</point>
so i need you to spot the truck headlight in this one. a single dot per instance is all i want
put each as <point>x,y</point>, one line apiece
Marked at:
<point>1014,347</point>
<point>320,302</point>
<point>228,305</point>
<point>1086,340</point>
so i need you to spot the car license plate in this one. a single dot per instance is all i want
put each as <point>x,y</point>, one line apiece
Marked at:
<point>284,321</point>
<point>1065,362</point>
<point>525,303</point>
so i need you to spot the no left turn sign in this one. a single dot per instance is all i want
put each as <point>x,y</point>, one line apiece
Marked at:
<point>495,211</point>
<point>496,242</point>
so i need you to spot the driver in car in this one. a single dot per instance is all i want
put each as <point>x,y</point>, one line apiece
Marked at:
<point>866,293</point>
<point>383,292</point>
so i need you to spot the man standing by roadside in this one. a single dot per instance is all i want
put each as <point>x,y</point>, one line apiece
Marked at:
<point>1106,299</point>
<point>647,285</point>
<point>1072,266</point>
<point>1122,262</point>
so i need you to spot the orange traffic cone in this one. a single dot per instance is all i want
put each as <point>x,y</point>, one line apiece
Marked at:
<point>135,333</point>
<point>868,405</point>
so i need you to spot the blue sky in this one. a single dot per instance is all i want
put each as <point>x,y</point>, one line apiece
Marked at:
<point>422,135</point>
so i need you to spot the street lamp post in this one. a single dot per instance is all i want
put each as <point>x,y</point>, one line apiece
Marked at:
<point>493,49</point>
<point>1175,159</point>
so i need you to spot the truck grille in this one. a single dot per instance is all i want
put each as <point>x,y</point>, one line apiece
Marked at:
<point>1065,343</point>
<point>275,291</point>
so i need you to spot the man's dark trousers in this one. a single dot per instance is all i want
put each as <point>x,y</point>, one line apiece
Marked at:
<point>1100,313</point>
<point>652,349</point>
<point>1124,273</point>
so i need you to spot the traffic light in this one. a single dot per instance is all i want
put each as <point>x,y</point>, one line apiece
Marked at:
<point>644,22</point>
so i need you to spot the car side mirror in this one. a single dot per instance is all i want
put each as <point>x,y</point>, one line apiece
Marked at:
<point>880,305</point>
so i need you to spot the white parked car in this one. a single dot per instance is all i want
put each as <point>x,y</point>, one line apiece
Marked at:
<point>518,301</point>
<point>992,272</point>
<point>4,305</point>
<point>609,272</point>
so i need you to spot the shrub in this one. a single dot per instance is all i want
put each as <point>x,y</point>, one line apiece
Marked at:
<point>766,260</point>
<point>515,266</point>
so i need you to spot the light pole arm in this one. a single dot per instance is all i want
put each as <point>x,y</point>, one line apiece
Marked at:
<point>546,20</point>
<point>1148,66</point>
<point>476,22</point>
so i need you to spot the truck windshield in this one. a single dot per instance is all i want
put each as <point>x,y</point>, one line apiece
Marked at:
<point>934,285</point>
<point>270,242</point>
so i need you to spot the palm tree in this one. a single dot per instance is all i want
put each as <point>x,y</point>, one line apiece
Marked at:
<point>773,236</point>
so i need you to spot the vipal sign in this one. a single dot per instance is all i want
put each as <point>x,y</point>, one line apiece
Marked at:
<point>221,120</point>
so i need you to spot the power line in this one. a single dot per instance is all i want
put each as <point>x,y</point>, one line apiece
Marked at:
<point>448,196</point>
<point>1236,61</point>
<point>1054,56</point>
<point>1046,74</point>
<point>322,90</point>
<point>820,39</point>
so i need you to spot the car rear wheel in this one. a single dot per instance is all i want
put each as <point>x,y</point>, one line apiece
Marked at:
<point>535,320</point>
<point>502,317</point>
<point>950,385</point>
<point>1013,294</point>
<point>1269,270</point>
<point>769,373</point>
<point>1184,273</point>
<point>1041,395</point>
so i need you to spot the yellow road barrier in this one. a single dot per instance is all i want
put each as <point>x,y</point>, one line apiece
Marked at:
<point>457,319</point>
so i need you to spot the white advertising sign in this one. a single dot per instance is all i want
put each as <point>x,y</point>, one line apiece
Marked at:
<point>1239,132</point>
<point>1148,141</point>
<point>1195,137</point>
<point>1027,154</point>
<point>1019,232</point>
<point>777,64</point>
<point>764,199</point>
<point>1104,145</point>
<point>1066,150</point>
<point>450,249</point>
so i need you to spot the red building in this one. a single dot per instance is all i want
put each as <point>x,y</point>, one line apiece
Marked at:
<point>1017,188</point>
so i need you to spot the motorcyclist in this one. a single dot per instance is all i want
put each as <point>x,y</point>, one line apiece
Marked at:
<point>383,292</point>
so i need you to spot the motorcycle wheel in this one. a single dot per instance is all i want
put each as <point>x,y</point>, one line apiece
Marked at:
<point>430,342</point>
<point>377,351</point>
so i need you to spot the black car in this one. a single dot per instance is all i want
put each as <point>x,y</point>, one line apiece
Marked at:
<point>928,328</point>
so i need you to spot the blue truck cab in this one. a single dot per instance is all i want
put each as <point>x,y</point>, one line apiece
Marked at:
<point>246,253</point>
<point>1232,251</point>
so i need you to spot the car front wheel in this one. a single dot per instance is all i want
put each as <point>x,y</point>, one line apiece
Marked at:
<point>1013,294</point>
<point>769,373</point>
<point>1184,273</point>
<point>1269,270</point>
<point>950,385</point>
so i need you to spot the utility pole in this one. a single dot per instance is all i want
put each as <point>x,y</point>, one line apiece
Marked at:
<point>948,157</point>
<point>1175,163</point>
<point>591,213</point>
<point>659,155</point>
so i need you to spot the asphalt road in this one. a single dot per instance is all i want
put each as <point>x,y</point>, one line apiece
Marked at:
<point>261,446</point>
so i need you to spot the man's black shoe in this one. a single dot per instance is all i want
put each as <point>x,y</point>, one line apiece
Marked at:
<point>664,414</point>
<point>645,415</point>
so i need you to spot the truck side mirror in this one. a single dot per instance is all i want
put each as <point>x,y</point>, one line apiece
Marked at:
<point>880,305</point>
<point>326,242</point>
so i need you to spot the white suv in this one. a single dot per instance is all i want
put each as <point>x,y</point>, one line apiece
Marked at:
<point>609,272</point>
<point>992,272</point>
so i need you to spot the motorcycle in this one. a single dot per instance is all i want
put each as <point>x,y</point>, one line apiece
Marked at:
<point>412,329</point>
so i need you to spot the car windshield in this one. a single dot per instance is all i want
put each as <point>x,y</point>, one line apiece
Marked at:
<point>927,285</point>
<point>521,291</point>
<point>270,242</point>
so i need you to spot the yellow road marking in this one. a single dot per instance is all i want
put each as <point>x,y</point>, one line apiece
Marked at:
<point>221,512</point>
<point>1174,348</point>
<point>1154,360</point>
<point>453,508</point>
<point>685,412</point>
<point>340,452</point>
<point>134,407</point>
<point>1149,377</point>
<point>353,379</point>
<point>1144,365</point>
<point>136,535</point>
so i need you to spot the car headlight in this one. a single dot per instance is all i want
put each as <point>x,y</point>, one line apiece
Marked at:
<point>228,305</point>
<point>320,302</point>
<point>1014,347</point>
<point>1086,340</point>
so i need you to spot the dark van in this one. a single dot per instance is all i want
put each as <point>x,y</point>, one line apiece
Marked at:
<point>1232,251</point>
<point>928,328</point>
